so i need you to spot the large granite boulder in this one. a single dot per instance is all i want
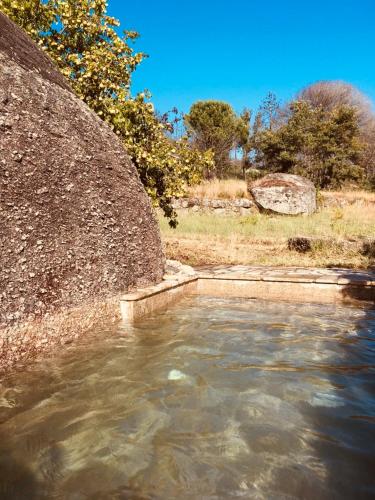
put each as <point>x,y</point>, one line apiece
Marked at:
<point>284,194</point>
<point>76,223</point>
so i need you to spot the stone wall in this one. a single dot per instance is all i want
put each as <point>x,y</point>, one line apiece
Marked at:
<point>240,206</point>
<point>244,206</point>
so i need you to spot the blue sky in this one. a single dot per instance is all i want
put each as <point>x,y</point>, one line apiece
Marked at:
<point>239,50</point>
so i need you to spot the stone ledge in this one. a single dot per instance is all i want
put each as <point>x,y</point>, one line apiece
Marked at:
<point>301,292</point>
<point>289,284</point>
<point>293,278</point>
<point>136,305</point>
<point>167,284</point>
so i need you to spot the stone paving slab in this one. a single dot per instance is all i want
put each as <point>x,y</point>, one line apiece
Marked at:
<point>339,276</point>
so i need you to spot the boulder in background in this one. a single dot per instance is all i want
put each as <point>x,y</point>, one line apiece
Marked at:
<point>284,194</point>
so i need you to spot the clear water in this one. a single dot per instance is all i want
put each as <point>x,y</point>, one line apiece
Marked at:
<point>212,399</point>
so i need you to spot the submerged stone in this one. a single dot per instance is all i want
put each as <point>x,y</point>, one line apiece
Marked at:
<point>177,375</point>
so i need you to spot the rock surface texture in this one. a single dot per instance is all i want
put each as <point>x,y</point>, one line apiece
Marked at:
<point>284,194</point>
<point>75,222</point>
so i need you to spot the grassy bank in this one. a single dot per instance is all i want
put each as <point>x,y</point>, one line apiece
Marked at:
<point>262,239</point>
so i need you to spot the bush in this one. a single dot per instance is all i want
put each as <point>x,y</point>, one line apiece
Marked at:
<point>252,174</point>
<point>368,249</point>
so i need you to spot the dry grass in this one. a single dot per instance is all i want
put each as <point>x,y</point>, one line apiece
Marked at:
<point>236,188</point>
<point>262,239</point>
<point>201,252</point>
<point>229,189</point>
<point>352,196</point>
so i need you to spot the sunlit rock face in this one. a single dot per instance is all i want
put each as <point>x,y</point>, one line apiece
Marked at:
<point>76,223</point>
<point>284,194</point>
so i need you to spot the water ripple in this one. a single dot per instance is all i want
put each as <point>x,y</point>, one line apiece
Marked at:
<point>212,399</point>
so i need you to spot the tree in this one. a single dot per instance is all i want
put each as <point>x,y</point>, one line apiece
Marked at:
<point>331,94</point>
<point>34,16</point>
<point>268,117</point>
<point>323,146</point>
<point>269,110</point>
<point>83,41</point>
<point>244,140</point>
<point>214,125</point>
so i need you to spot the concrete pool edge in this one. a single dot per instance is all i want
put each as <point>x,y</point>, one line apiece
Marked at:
<point>136,305</point>
<point>20,344</point>
<point>338,286</point>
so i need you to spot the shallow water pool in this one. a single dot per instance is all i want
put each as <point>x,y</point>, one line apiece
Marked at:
<point>212,399</point>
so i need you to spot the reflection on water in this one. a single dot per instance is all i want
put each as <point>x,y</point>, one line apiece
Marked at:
<point>213,399</point>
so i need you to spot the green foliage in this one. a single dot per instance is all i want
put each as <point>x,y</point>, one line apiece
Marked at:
<point>244,139</point>
<point>268,111</point>
<point>252,174</point>
<point>82,40</point>
<point>214,125</point>
<point>322,145</point>
<point>166,167</point>
<point>84,43</point>
<point>33,16</point>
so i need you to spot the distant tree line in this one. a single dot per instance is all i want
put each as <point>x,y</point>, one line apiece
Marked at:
<point>327,133</point>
